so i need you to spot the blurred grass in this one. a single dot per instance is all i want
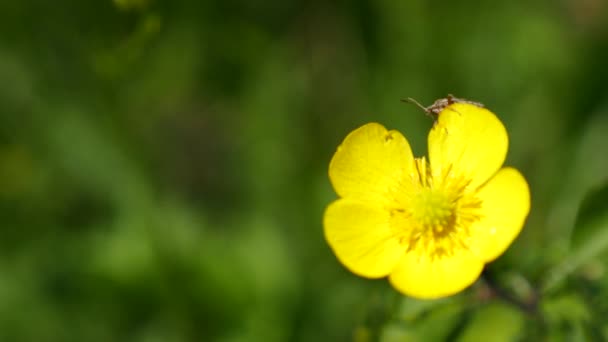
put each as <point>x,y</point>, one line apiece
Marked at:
<point>163,164</point>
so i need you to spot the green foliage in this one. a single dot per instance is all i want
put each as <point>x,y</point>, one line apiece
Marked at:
<point>589,238</point>
<point>592,220</point>
<point>163,165</point>
<point>495,322</point>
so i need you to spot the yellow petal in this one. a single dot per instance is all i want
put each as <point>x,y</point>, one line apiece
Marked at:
<point>361,237</point>
<point>504,208</point>
<point>425,278</point>
<point>371,162</point>
<point>468,140</point>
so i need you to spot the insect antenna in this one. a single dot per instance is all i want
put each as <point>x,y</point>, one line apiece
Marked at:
<point>414,102</point>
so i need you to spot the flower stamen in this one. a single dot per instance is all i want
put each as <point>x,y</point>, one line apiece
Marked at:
<point>435,219</point>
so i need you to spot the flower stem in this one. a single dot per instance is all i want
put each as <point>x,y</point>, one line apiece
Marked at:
<point>528,305</point>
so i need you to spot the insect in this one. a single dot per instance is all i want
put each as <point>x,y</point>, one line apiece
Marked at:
<point>439,105</point>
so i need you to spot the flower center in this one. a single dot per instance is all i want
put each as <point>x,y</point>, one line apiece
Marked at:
<point>433,218</point>
<point>432,209</point>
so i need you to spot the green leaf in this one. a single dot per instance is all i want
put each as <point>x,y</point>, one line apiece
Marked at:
<point>394,332</point>
<point>425,320</point>
<point>411,309</point>
<point>565,308</point>
<point>567,316</point>
<point>589,237</point>
<point>495,322</point>
<point>441,322</point>
<point>592,218</point>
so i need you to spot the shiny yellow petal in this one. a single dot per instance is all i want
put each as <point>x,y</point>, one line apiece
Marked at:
<point>468,141</point>
<point>504,208</point>
<point>425,278</point>
<point>370,162</point>
<point>361,237</point>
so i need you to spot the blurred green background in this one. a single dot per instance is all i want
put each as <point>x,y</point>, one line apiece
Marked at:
<point>163,165</point>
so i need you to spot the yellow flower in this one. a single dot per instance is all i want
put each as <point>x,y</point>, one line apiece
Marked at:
<point>428,225</point>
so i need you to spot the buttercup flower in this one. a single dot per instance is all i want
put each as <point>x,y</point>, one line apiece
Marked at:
<point>429,225</point>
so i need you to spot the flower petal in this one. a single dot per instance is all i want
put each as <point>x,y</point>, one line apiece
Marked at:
<point>361,237</point>
<point>469,141</point>
<point>370,162</point>
<point>504,208</point>
<point>425,278</point>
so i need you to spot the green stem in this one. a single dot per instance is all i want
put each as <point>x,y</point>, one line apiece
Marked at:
<point>529,306</point>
